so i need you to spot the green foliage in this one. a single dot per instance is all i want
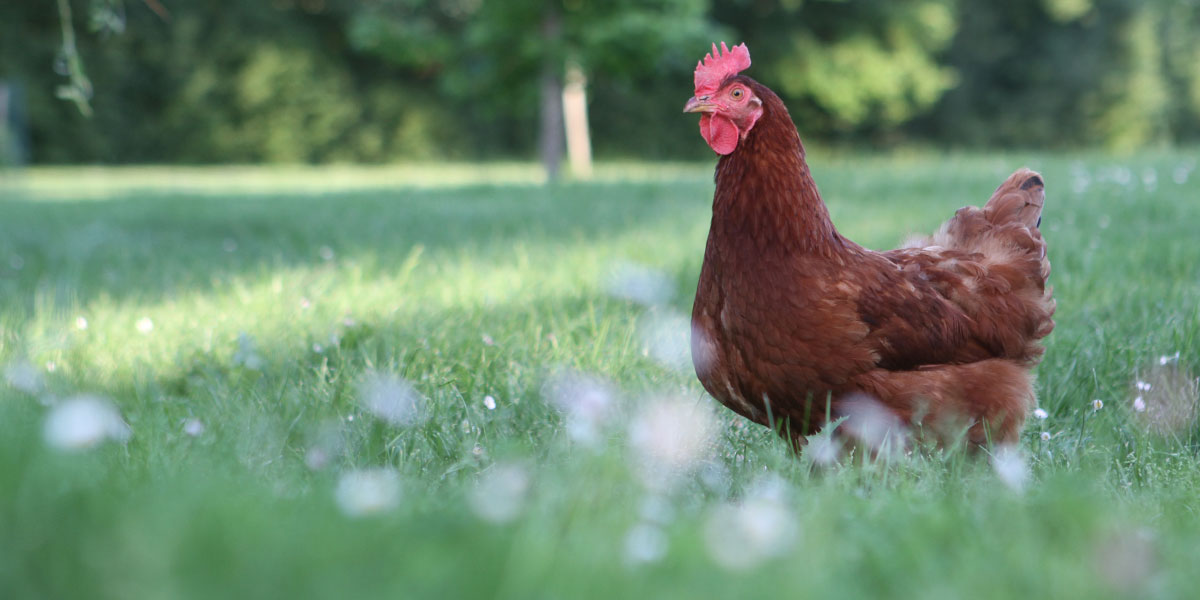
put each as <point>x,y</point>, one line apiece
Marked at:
<point>386,80</point>
<point>273,293</point>
<point>1061,73</point>
<point>851,67</point>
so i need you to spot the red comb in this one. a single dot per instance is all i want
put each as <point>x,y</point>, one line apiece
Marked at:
<point>718,65</point>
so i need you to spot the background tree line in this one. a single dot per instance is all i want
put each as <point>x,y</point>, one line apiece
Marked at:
<point>379,80</point>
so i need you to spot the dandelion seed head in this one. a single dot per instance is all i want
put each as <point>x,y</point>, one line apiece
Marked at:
<point>587,402</point>
<point>366,492</point>
<point>500,493</point>
<point>669,437</point>
<point>1040,414</point>
<point>715,477</point>
<point>1139,404</point>
<point>316,458</point>
<point>83,422</point>
<point>1011,468</point>
<point>741,535</point>
<point>23,376</point>
<point>391,398</point>
<point>145,325</point>
<point>823,449</point>
<point>645,543</point>
<point>874,425</point>
<point>193,427</point>
<point>1169,399</point>
<point>326,253</point>
<point>1149,178</point>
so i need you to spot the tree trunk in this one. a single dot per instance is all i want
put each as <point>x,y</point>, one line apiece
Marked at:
<point>579,145</point>
<point>551,136</point>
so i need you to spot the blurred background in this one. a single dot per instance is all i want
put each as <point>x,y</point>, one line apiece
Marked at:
<point>375,81</point>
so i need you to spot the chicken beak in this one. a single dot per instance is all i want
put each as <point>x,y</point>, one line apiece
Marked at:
<point>699,104</point>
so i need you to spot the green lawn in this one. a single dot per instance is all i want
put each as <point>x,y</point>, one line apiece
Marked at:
<point>305,363</point>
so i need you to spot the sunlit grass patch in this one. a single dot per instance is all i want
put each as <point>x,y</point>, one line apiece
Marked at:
<point>325,383</point>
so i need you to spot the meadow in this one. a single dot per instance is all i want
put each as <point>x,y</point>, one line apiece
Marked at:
<point>457,382</point>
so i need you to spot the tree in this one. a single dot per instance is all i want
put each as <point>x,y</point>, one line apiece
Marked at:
<point>515,54</point>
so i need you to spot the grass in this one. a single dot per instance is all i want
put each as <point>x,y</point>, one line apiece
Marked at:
<point>267,300</point>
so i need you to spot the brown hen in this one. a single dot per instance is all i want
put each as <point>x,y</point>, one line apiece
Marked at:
<point>794,323</point>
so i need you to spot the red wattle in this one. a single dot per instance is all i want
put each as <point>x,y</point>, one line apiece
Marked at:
<point>720,133</point>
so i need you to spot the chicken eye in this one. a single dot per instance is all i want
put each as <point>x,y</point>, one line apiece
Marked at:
<point>737,94</point>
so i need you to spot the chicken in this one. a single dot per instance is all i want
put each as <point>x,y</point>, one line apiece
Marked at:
<point>794,325</point>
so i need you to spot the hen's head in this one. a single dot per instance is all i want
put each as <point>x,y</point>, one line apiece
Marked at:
<point>728,105</point>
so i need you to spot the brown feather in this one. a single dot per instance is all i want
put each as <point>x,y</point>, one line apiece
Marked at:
<point>793,320</point>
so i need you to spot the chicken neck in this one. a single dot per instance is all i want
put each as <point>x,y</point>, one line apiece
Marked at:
<point>765,192</point>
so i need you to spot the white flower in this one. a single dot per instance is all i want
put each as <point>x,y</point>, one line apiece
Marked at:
<point>1143,386</point>
<point>23,376</point>
<point>1040,413</point>
<point>499,495</point>
<point>872,423</point>
<point>586,402</point>
<point>645,543</point>
<point>316,458</point>
<point>1010,466</point>
<point>669,437</point>
<point>1139,405</point>
<point>145,325</point>
<point>84,422</point>
<point>1166,358</point>
<point>739,536</point>
<point>81,323</point>
<point>368,491</point>
<point>1045,436</point>
<point>489,402</point>
<point>391,398</point>
<point>1097,404</point>
<point>193,427</point>
<point>823,449</point>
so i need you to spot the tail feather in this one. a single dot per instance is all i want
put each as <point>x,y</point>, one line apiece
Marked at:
<point>1019,199</point>
<point>990,398</point>
<point>992,263</point>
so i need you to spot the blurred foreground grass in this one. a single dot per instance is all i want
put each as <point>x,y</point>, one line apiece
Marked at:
<point>456,382</point>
